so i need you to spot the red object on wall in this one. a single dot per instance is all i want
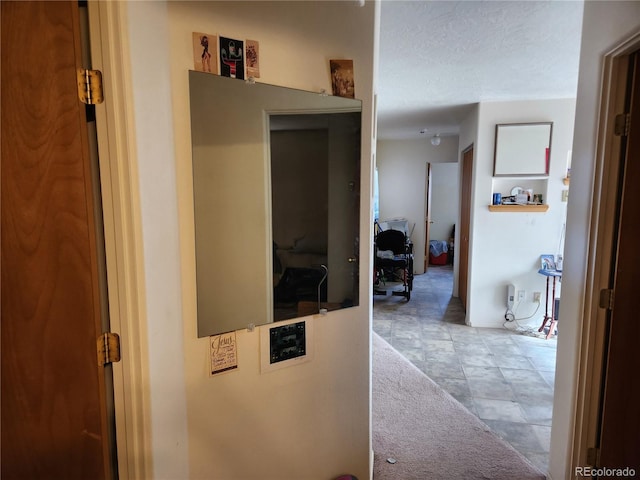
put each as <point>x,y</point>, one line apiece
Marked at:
<point>546,158</point>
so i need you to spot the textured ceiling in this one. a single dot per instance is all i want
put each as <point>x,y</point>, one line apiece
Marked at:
<point>437,58</point>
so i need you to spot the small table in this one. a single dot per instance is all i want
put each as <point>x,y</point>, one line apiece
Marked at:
<point>555,274</point>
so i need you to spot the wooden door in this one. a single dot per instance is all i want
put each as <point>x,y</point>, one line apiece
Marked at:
<point>465,220</point>
<point>619,436</point>
<point>427,217</point>
<point>53,392</point>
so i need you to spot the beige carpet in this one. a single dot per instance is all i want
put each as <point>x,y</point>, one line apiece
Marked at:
<point>429,434</point>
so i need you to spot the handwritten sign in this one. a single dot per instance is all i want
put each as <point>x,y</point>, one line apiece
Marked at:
<point>224,353</point>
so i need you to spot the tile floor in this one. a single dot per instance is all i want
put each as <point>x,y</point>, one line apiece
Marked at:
<point>503,376</point>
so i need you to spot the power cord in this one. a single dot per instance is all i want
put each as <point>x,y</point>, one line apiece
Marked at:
<point>510,317</point>
<point>523,330</point>
<point>530,316</point>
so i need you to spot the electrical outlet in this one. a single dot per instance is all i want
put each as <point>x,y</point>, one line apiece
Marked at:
<point>536,296</point>
<point>521,295</point>
<point>565,195</point>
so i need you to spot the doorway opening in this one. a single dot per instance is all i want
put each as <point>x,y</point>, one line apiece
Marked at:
<point>504,378</point>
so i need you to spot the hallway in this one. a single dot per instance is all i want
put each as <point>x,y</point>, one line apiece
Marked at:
<point>503,376</point>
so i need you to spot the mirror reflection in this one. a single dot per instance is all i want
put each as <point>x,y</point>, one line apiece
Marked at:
<point>276,178</point>
<point>315,198</point>
<point>522,149</point>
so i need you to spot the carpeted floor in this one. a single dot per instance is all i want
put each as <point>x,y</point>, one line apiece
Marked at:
<point>428,433</point>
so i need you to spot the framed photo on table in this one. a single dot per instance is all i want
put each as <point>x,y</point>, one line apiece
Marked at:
<point>547,262</point>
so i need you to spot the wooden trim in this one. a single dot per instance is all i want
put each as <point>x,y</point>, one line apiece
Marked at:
<point>602,224</point>
<point>464,234</point>
<point>518,208</point>
<point>123,239</point>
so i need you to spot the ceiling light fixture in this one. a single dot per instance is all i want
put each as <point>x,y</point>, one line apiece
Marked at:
<point>435,140</point>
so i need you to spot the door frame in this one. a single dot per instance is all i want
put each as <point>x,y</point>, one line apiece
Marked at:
<point>123,237</point>
<point>603,223</point>
<point>427,216</point>
<point>463,248</point>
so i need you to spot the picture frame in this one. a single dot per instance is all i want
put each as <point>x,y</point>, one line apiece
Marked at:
<point>231,56</point>
<point>522,149</point>
<point>252,58</point>
<point>342,82</point>
<point>204,52</point>
<point>547,262</point>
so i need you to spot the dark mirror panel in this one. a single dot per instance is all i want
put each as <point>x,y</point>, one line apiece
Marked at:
<point>315,174</point>
<point>276,178</point>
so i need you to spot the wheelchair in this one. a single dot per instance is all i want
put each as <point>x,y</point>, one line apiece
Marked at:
<point>393,264</point>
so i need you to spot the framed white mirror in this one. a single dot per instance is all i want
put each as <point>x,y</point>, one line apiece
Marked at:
<point>522,149</point>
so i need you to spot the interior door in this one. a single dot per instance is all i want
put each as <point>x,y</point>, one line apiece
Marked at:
<point>619,441</point>
<point>465,220</point>
<point>54,414</point>
<point>427,217</point>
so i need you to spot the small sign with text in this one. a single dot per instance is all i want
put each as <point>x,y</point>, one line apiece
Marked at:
<point>224,352</point>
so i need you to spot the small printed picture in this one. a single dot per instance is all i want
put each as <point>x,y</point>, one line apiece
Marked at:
<point>231,58</point>
<point>223,353</point>
<point>253,59</point>
<point>203,59</point>
<point>342,81</point>
<point>547,262</point>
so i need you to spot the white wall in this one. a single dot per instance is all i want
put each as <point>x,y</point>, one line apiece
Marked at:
<point>309,421</point>
<point>506,247</point>
<point>605,25</point>
<point>402,172</point>
<point>151,81</point>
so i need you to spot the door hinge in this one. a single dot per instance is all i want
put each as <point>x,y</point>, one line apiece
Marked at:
<point>622,125</point>
<point>108,348</point>
<point>606,298</point>
<point>593,457</point>
<point>90,86</point>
